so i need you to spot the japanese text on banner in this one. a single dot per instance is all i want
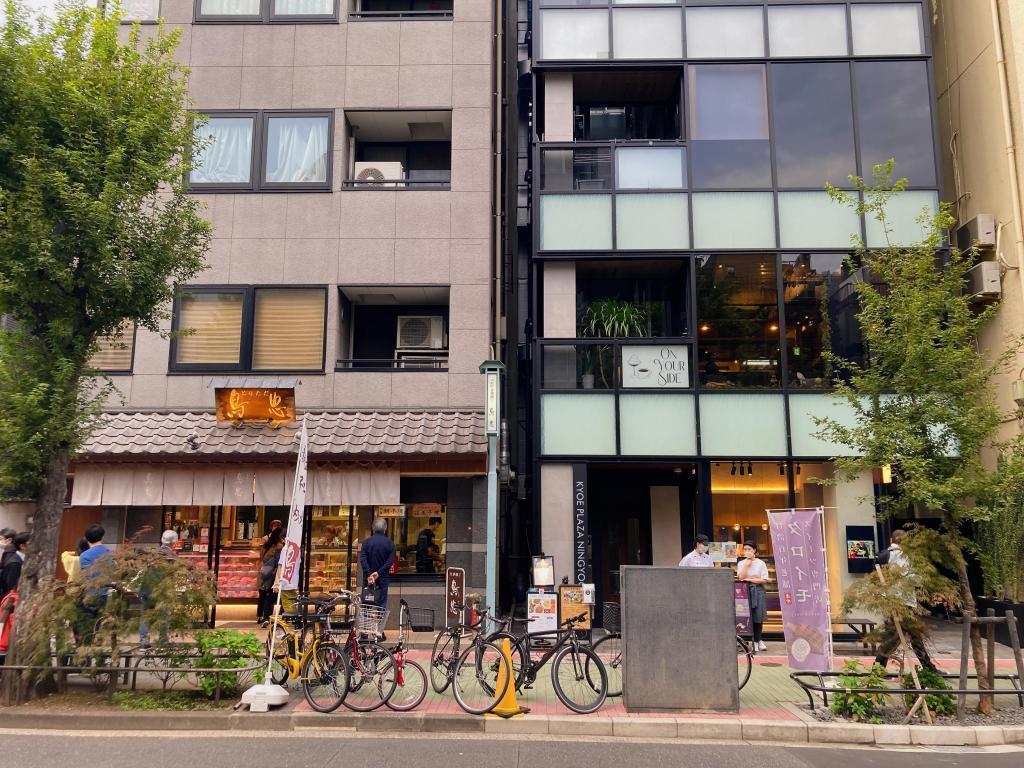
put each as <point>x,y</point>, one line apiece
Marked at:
<point>291,556</point>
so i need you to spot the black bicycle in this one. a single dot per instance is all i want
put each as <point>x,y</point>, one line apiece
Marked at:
<point>478,675</point>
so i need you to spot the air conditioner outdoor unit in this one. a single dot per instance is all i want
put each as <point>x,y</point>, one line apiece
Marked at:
<point>379,174</point>
<point>979,231</point>
<point>420,332</point>
<point>984,282</point>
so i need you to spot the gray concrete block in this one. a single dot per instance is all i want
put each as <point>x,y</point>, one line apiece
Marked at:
<point>719,729</point>
<point>989,735</point>
<point>566,725</point>
<point>774,730</point>
<point>1013,734</point>
<point>528,724</point>
<point>650,727</point>
<point>891,734</point>
<point>453,724</point>
<point>341,719</point>
<point>391,721</point>
<point>841,733</point>
<point>942,735</point>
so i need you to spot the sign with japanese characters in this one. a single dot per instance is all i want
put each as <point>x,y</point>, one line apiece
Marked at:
<point>666,366</point>
<point>291,555</point>
<point>255,405</point>
<point>799,550</point>
<point>454,595</point>
<point>742,596</point>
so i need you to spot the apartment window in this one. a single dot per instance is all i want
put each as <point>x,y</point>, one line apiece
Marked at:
<point>401,9</point>
<point>140,10</point>
<point>625,106</point>
<point>580,168</point>
<point>394,328</point>
<point>114,352</point>
<point>243,328</point>
<point>807,30</point>
<point>264,11</point>
<point>729,126</point>
<point>724,33</point>
<point>244,151</point>
<point>405,150</point>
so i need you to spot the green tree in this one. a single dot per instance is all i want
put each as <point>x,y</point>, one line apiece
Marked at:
<point>923,402</point>
<point>96,230</point>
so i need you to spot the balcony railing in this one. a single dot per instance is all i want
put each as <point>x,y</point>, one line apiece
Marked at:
<point>400,15</point>
<point>394,184</point>
<point>432,360</point>
<point>616,364</point>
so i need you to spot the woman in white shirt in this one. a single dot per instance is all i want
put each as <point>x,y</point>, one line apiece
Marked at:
<point>754,572</point>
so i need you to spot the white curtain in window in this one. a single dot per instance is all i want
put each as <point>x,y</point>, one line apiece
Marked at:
<point>226,155</point>
<point>141,10</point>
<point>230,8</point>
<point>297,149</point>
<point>303,7</point>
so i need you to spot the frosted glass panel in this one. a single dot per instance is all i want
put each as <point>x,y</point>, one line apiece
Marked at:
<point>901,214</point>
<point>812,30</point>
<point>575,222</point>
<point>229,8</point>
<point>652,221</point>
<point>304,7</point>
<point>813,220</point>
<point>885,30</point>
<point>733,220</point>
<point>742,425</point>
<point>647,33</point>
<point>650,168</point>
<point>577,425</point>
<point>724,33</point>
<point>657,425</point>
<point>572,34</point>
<point>802,411</point>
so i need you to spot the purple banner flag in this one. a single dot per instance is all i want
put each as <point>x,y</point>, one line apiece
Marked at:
<point>803,587</point>
<point>742,596</point>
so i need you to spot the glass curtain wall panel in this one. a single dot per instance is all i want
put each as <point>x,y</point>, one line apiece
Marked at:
<point>733,220</point>
<point>738,322</point>
<point>724,33</point>
<point>297,149</point>
<point>652,221</point>
<point>650,167</point>
<point>895,119</point>
<point>647,33</point>
<point>574,34</point>
<point>657,289</point>
<point>225,154</point>
<point>729,126</point>
<point>812,106</point>
<point>657,424</point>
<point>807,30</point>
<point>742,424</point>
<point>887,29</point>
<point>803,409</point>
<point>577,424</point>
<point>814,220</point>
<point>575,222</point>
<point>901,225</point>
<point>583,168</point>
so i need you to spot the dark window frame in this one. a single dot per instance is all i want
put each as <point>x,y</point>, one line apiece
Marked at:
<point>265,16</point>
<point>131,363</point>
<point>258,153</point>
<point>244,365</point>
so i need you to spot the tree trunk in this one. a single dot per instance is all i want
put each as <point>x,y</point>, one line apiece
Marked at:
<point>41,558</point>
<point>981,662</point>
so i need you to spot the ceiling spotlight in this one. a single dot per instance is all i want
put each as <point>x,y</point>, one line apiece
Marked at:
<point>782,469</point>
<point>733,470</point>
<point>798,469</point>
<point>750,468</point>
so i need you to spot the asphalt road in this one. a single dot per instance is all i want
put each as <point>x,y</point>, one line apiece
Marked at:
<point>28,749</point>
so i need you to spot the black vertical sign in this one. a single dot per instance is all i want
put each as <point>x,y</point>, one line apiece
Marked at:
<point>580,560</point>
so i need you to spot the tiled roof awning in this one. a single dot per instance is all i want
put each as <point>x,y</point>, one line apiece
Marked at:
<point>335,434</point>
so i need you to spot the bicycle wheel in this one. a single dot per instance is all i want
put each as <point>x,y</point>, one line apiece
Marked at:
<point>516,655</point>
<point>481,677</point>
<point>442,661</point>
<point>410,686</point>
<point>278,655</point>
<point>325,677</point>
<point>572,684</point>
<point>368,688</point>
<point>744,661</point>
<point>609,651</point>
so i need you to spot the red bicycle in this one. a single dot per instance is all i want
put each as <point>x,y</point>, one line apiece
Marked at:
<point>410,678</point>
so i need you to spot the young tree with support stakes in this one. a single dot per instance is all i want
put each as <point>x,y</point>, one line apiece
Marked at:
<point>96,231</point>
<point>923,400</point>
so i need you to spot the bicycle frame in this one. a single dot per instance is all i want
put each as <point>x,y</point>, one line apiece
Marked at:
<point>565,637</point>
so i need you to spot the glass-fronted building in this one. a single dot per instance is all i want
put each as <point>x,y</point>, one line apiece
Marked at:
<point>681,271</point>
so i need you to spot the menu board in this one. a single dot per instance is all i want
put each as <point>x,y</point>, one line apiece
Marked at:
<point>570,603</point>
<point>541,611</point>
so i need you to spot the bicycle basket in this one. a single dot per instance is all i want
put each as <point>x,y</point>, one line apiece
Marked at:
<point>370,619</point>
<point>612,617</point>
<point>422,619</point>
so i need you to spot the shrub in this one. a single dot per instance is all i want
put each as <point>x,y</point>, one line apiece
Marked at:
<point>860,707</point>
<point>226,649</point>
<point>938,703</point>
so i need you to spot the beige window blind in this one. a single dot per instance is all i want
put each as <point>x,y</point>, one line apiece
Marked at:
<point>216,319</point>
<point>288,329</point>
<point>114,352</point>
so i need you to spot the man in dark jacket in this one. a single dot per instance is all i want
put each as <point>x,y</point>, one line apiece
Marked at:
<point>10,570</point>
<point>376,556</point>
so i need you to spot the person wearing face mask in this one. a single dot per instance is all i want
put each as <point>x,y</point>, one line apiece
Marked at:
<point>699,557</point>
<point>754,572</point>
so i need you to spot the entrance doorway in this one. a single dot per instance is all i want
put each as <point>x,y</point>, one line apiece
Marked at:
<point>639,515</point>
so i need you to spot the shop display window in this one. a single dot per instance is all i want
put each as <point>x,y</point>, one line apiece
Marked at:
<point>418,530</point>
<point>741,491</point>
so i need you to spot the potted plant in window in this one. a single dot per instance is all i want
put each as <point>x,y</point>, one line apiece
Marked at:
<point>608,319</point>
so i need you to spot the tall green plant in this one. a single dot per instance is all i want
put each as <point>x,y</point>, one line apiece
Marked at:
<point>923,403</point>
<point>610,318</point>
<point>1001,545</point>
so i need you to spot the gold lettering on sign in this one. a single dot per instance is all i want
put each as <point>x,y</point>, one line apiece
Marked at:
<point>251,405</point>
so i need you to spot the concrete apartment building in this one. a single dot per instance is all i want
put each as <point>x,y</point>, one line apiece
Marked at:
<point>349,177</point>
<point>979,76</point>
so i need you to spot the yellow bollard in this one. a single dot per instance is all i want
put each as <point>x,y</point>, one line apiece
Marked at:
<point>508,706</point>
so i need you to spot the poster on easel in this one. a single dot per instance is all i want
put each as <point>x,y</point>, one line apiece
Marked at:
<point>571,603</point>
<point>541,611</point>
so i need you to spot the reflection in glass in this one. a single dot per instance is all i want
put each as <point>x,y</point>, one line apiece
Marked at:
<point>895,119</point>
<point>647,33</point>
<point>571,34</point>
<point>813,113</point>
<point>737,322</point>
<point>226,154</point>
<point>578,366</point>
<point>821,316</point>
<point>724,33</point>
<point>731,164</point>
<point>807,30</point>
<point>651,168</point>
<point>583,168</point>
<point>297,149</point>
<point>887,29</point>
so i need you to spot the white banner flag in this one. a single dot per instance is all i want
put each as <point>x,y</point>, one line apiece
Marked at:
<point>291,556</point>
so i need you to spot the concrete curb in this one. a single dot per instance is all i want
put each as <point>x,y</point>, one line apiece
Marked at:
<point>803,730</point>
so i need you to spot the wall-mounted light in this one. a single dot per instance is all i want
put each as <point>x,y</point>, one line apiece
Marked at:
<point>750,468</point>
<point>782,469</point>
<point>733,470</point>
<point>886,474</point>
